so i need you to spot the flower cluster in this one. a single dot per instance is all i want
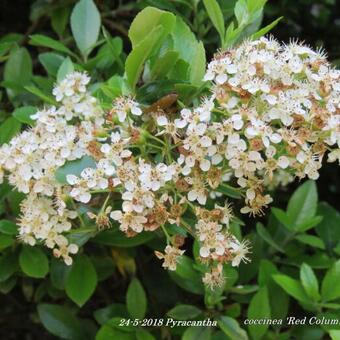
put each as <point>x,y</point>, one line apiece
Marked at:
<point>46,221</point>
<point>32,158</point>
<point>273,113</point>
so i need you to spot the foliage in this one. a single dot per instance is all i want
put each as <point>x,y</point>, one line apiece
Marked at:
<point>295,249</point>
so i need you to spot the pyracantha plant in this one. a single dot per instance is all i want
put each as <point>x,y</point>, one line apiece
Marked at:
<point>272,115</point>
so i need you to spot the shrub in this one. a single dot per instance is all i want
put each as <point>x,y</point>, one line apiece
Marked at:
<point>110,159</point>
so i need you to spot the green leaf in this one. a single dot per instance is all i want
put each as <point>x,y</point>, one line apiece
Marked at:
<point>81,282</point>
<point>164,65</point>
<point>146,21</point>
<point>311,240</point>
<point>318,260</point>
<point>267,269</point>
<point>292,287</point>
<point>74,168</point>
<point>5,48</point>
<point>58,273</point>
<point>330,288</point>
<point>8,266</point>
<point>51,62</point>
<point>184,312</point>
<point>244,289</point>
<point>186,276</point>
<point>259,308</point>
<point>33,262</point>
<point>6,241</point>
<point>8,129</point>
<point>261,230</point>
<point>23,114</point>
<point>334,334</point>
<point>102,315</point>
<point>8,227</point>
<point>43,40</point>
<point>85,25</point>
<point>60,321</point>
<point>283,218</point>
<point>216,16</point>
<point>241,13</point>
<point>198,65</point>
<point>328,229</point>
<point>43,96</point>
<point>266,29</point>
<point>309,282</point>
<point>59,19</point>
<point>231,35</point>
<point>309,223</point>
<point>229,191</point>
<point>231,275</point>
<point>231,328</point>
<point>192,61</point>
<point>18,69</point>
<point>117,238</point>
<point>136,59</point>
<point>65,68</point>
<point>108,54</point>
<point>303,203</point>
<point>111,331</point>
<point>8,285</point>
<point>142,334</point>
<point>197,333</point>
<point>136,300</point>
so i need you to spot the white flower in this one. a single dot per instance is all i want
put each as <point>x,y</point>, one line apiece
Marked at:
<point>122,106</point>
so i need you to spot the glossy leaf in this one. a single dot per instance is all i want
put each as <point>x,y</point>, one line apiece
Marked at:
<point>197,333</point>
<point>311,240</point>
<point>60,321</point>
<point>330,288</point>
<point>292,287</point>
<point>136,300</point>
<point>197,67</point>
<point>8,227</point>
<point>74,168</point>
<point>263,31</point>
<point>8,265</point>
<point>267,237</point>
<point>23,114</point>
<point>43,40</point>
<point>143,334</point>
<point>118,239</point>
<point>216,16</point>
<point>259,308</point>
<point>184,312</point>
<point>18,70</point>
<point>186,276</point>
<point>231,328</point>
<point>33,262</point>
<point>303,203</point>
<point>85,25</point>
<point>146,21</point>
<point>51,62</point>
<point>328,229</point>
<point>81,282</point>
<point>65,68</point>
<point>136,59</point>
<point>309,282</point>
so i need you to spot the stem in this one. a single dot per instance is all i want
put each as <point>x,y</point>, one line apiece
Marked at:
<point>82,231</point>
<point>105,203</point>
<point>99,191</point>
<point>168,237</point>
<point>187,227</point>
<point>82,223</point>
<point>154,138</point>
